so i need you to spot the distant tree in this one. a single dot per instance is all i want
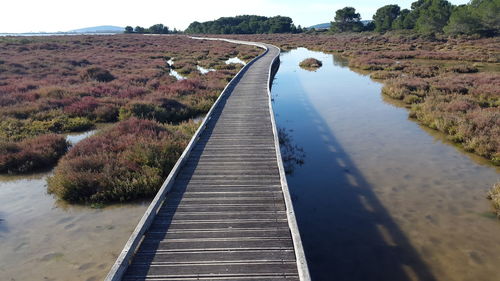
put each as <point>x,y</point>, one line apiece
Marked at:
<point>139,29</point>
<point>433,15</point>
<point>195,27</point>
<point>405,20</point>
<point>385,16</point>
<point>158,29</point>
<point>370,26</point>
<point>280,24</point>
<point>463,20</point>
<point>478,17</point>
<point>488,11</point>
<point>129,29</point>
<point>347,20</point>
<point>246,24</point>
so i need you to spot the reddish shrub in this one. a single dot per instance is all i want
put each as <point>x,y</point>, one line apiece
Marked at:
<point>30,155</point>
<point>128,161</point>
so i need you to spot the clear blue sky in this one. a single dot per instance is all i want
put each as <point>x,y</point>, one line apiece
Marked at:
<point>63,15</point>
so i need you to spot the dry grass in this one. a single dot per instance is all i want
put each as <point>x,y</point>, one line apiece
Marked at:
<point>494,196</point>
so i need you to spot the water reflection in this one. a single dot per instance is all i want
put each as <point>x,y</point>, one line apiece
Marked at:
<point>291,154</point>
<point>378,198</point>
<point>340,61</point>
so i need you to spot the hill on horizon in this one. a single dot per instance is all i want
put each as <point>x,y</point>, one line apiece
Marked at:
<point>326,25</point>
<point>100,29</point>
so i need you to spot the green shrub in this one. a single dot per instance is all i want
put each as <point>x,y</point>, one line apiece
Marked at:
<point>15,130</point>
<point>98,74</point>
<point>163,111</point>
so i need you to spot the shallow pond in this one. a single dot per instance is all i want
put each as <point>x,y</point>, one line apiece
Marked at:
<point>43,239</point>
<point>379,197</point>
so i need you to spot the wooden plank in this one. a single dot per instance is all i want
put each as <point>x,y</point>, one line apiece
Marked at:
<point>216,256</point>
<point>227,244</point>
<point>219,269</point>
<point>224,233</point>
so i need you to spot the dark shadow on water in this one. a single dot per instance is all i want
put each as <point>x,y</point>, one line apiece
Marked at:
<point>346,231</point>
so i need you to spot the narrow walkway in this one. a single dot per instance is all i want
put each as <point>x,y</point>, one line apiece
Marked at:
<point>226,217</point>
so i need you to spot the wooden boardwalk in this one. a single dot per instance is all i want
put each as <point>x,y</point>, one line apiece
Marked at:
<point>228,213</point>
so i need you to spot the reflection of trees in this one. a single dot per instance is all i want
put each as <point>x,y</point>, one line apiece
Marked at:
<point>339,60</point>
<point>291,154</point>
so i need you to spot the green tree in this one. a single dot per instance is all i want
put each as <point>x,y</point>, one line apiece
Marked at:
<point>246,24</point>
<point>478,17</point>
<point>405,20</point>
<point>385,16</point>
<point>489,11</point>
<point>129,29</point>
<point>433,15</point>
<point>463,20</point>
<point>158,29</point>
<point>139,29</point>
<point>280,24</point>
<point>347,20</point>
<point>370,26</point>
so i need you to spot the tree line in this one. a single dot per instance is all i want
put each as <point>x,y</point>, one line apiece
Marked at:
<point>154,29</point>
<point>479,17</point>
<point>246,24</point>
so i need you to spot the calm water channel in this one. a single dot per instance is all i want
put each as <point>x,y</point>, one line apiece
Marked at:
<point>379,197</point>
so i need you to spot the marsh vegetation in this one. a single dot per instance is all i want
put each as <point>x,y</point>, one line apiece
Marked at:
<point>55,85</point>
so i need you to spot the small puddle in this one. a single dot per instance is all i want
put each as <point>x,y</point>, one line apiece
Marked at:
<point>74,138</point>
<point>203,70</point>
<point>235,60</point>
<point>173,72</point>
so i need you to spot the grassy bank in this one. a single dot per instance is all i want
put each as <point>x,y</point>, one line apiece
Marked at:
<point>449,84</point>
<point>63,84</point>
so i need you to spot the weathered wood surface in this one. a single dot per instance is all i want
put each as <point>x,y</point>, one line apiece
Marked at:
<point>227,215</point>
